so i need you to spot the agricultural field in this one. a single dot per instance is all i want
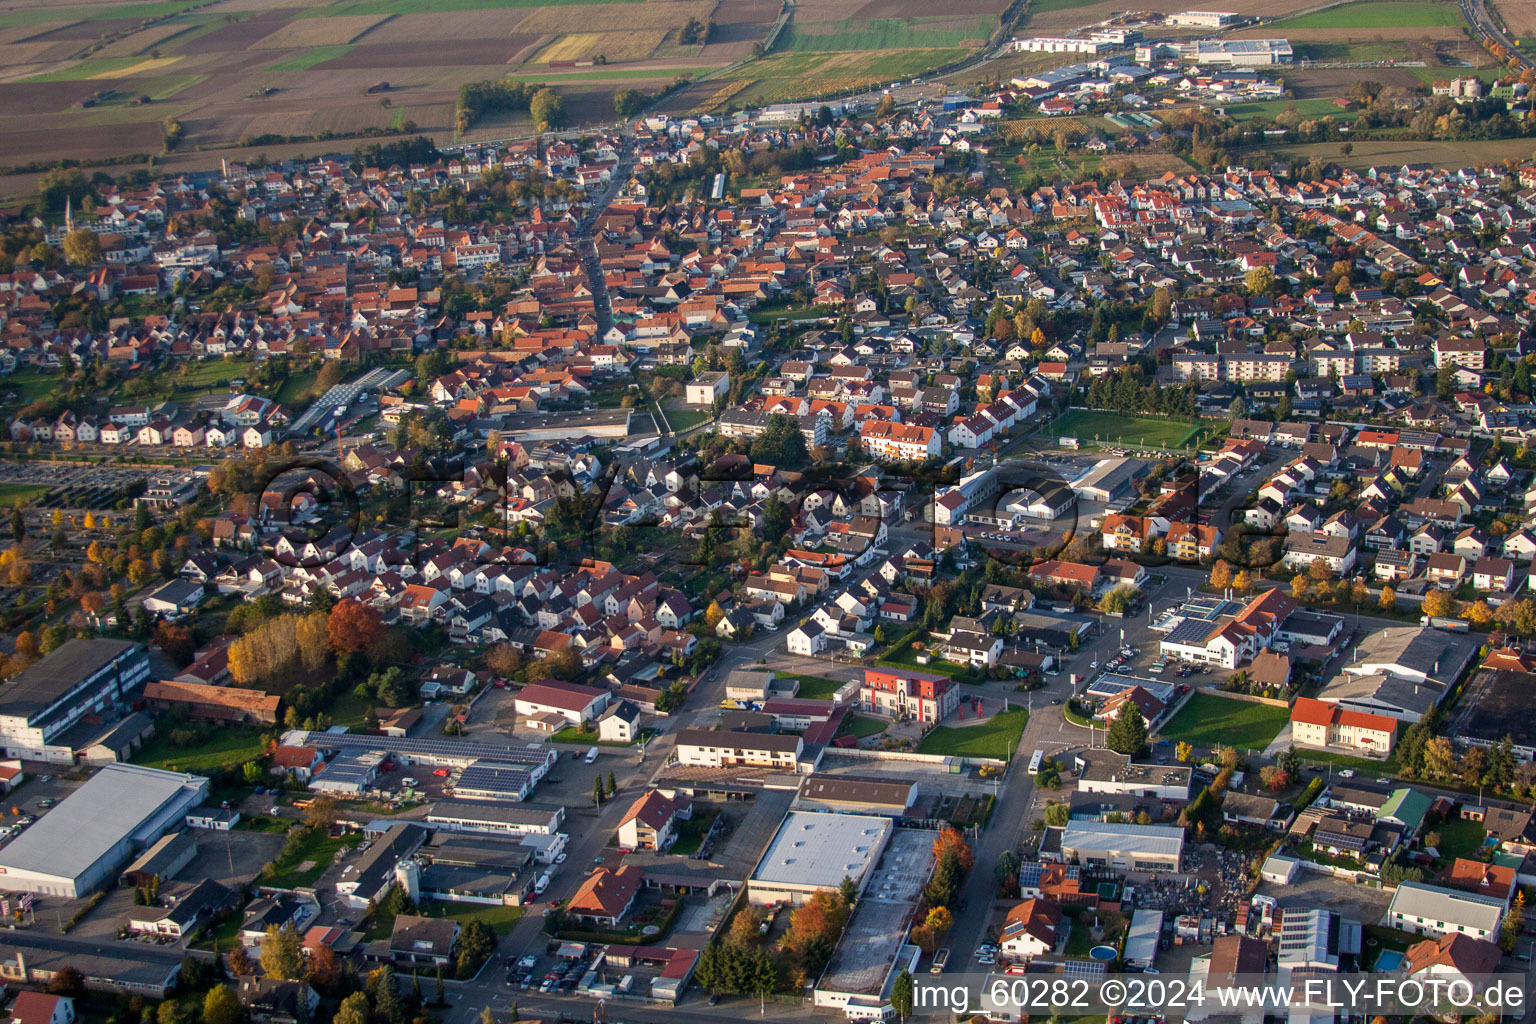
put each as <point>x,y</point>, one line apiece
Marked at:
<point>787,76</point>
<point>1394,153</point>
<point>1519,17</point>
<point>1271,109</point>
<point>100,80</point>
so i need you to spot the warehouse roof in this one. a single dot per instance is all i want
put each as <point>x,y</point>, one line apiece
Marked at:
<point>820,848</point>
<point>93,819</point>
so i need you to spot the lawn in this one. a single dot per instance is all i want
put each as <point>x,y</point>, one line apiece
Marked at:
<point>317,851</point>
<point>571,734</point>
<point>1087,425</point>
<point>866,727</point>
<point>690,835</point>
<point>228,747</point>
<point>1207,720</point>
<point>1460,838</point>
<point>813,687</point>
<point>906,657</point>
<point>1365,765</point>
<point>20,494</point>
<point>997,737</point>
<point>882,34</point>
<point>309,58</point>
<point>29,387</point>
<point>684,419</point>
<point>1390,14</point>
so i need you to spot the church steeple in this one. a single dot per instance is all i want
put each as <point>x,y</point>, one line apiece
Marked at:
<point>69,213</point>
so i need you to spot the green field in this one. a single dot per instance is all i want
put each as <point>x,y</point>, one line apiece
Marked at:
<point>296,388</point>
<point>1207,720</point>
<point>29,387</point>
<point>880,34</point>
<point>91,67</point>
<point>997,737</point>
<point>20,494</point>
<point>228,747</point>
<point>1271,109</point>
<point>1087,425</point>
<point>1385,14</point>
<point>314,55</point>
<point>683,419</point>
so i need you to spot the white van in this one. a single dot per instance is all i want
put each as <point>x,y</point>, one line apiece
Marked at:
<point>541,884</point>
<point>592,756</point>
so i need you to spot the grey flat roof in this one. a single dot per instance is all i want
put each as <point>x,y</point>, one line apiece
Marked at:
<point>1156,840</point>
<point>490,810</point>
<point>87,824</point>
<point>39,685</point>
<point>465,749</point>
<point>814,848</point>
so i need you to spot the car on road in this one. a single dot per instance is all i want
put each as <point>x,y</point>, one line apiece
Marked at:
<point>1347,773</point>
<point>1093,664</point>
<point>560,858</point>
<point>46,802</point>
<point>1384,781</point>
<point>1055,700</point>
<point>713,1000</point>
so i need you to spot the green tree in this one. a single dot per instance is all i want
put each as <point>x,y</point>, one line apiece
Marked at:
<point>903,994</point>
<point>221,1007</point>
<point>547,109</point>
<point>613,786</point>
<point>849,890</point>
<point>82,247</point>
<point>353,1010</point>
<point>597,791</point>
<point>1127,734</point>
<point>1058,814</point>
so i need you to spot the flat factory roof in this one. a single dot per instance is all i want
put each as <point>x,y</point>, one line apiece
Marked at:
<point>818,849</point>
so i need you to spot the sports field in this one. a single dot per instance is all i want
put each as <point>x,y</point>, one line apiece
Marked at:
<point>1089,425</point>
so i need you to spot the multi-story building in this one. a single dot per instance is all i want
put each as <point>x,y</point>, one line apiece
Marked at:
<point>718,749</point>
<point>900,694</point>
<point>83,677</point>
<point>899,442</point>
<point>1323,726</point>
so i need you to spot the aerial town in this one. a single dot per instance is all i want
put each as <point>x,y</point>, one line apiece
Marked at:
<point>1064,514</point>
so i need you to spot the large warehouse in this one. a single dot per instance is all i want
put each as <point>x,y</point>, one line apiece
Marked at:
<point>82,842</point>
<point>816,850</point>
<point>1124,845</point>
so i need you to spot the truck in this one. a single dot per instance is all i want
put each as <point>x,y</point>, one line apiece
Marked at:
<point>1067,442</point>
<point>625,984</point>
<point>1441,622</point>
<point>542,884</point>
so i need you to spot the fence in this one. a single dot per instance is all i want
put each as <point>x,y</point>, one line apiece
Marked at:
<point>940,760</point>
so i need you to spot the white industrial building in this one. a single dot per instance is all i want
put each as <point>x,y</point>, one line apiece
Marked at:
<point>1124,845</point>
<point>815,850</point>
<point>1060,44</point>
<point>80,844</point>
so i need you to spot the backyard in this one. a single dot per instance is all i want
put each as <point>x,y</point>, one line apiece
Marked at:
<point>1209,721</point>
<point>997,737</point>
<point>226,747</point>
<point>308,859</point>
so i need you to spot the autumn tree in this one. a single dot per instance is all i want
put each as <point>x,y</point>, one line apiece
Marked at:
<point>1438,603</point>
<point>280,954</point>
<point>353,626</point>
<point>1221,575</point>
<point>504,659</point>
<point>221,1007</point>
<point>953,839</point>
<point>1184,751</point>
<point>1388,600</point>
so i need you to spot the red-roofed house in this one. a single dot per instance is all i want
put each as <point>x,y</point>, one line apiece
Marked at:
<point>573,703</point>
<point>299,762</point>
<point>42,1008</point>
<point>1323,726</point>
<point>1452,957</point>
<point>606,896</point>
<point>1029,930</point>
<point>650,823</point>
